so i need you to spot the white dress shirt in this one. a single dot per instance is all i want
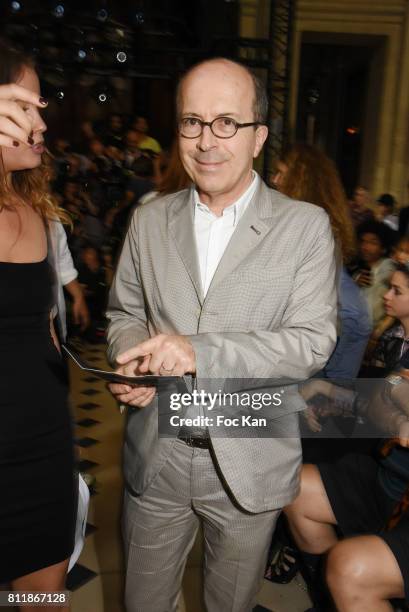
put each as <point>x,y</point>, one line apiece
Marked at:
<point>212,233</point>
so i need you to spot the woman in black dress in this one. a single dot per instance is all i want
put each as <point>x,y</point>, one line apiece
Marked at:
<point>37,482</point>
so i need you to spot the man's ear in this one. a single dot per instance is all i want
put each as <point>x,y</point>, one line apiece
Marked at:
<point>261,136</point>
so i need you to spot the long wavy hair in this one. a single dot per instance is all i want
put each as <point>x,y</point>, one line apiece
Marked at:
<point>313,177</point>
<point>30,186</point>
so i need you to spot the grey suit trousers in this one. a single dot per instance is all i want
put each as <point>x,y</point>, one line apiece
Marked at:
<point>160,527</point>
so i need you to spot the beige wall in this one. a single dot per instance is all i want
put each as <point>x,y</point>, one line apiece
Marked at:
<point>385,23</point>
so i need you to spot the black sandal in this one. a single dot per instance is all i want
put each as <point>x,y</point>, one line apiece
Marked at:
<point>283,568</point>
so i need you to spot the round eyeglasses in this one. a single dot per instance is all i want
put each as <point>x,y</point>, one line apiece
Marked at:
<point>222,127</point>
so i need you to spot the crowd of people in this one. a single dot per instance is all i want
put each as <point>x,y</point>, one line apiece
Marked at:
<point>340,488</point>
<point>99,181</point>
<point>211,275</point>
<point>118,166</point>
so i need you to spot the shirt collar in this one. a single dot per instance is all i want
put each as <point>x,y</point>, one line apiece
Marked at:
<point>237,208</point>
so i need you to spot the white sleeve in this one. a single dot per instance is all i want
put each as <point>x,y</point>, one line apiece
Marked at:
<point>64,263</point>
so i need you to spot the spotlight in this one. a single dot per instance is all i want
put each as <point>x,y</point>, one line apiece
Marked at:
<point>58,11</point>
<point>60,95</point>
<point>15,6</point>
<point>102,15</point>
<point>102,97</point>
<point>81,54</point>
<point>121,57</point>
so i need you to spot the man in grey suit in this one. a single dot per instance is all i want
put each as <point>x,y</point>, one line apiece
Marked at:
<point>225,280</point>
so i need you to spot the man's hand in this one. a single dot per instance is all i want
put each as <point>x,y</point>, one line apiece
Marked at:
<point>165,355</point>
<point>139,396</point>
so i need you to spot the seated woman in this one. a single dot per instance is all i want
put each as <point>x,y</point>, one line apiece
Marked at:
<point>363,497</point>
<point>389,340</point>
<point>356,511</point>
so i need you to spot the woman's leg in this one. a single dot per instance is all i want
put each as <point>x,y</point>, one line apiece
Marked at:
<point>310,516</point>
<point>46,580</point>
<point>363,574</point>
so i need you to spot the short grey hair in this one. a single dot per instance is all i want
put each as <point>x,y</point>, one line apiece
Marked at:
<point>260,101</point>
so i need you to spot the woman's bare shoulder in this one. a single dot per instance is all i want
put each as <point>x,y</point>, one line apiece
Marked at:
<point>23,235</point>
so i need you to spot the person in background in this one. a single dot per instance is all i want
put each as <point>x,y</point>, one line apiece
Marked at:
<point>305,173</point>
<point>394,342</point>
<point>139,184</point>
<point>92,223</point>
<point>174,177</point>
<point>373,268</point>
<point>400,252</point>
<point>355,472</point>
<point>148,144</point>
<point>400,255</point>
<point>131,151</point>
<point>356,510</point>
<point>87,131</point>
<point>145,142</point>
<point>99,163</point>
<point>360,206</point>
<point>141,181</point>
<point>92,276</point>
<point>113,133</point>
<point>385,211</point>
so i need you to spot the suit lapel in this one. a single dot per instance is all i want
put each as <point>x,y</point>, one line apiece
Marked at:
<point>249,232</point>
<point>181,228</point>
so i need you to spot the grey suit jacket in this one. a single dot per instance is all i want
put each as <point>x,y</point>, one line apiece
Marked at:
<point>270,312</point>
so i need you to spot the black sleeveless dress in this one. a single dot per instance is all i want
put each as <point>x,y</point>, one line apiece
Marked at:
<point>38,493</point>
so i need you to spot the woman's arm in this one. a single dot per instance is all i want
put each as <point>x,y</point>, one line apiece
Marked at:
<point>389,407</point>
<point>53,333</point>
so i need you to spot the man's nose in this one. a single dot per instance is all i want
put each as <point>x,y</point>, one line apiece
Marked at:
<point>207,140</point>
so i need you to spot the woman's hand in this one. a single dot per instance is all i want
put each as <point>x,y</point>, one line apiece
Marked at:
<point>15,125</point>
<point>363,278</point>
<point>312,419</point>
<point>316,386</point>
<point>54,333</point>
